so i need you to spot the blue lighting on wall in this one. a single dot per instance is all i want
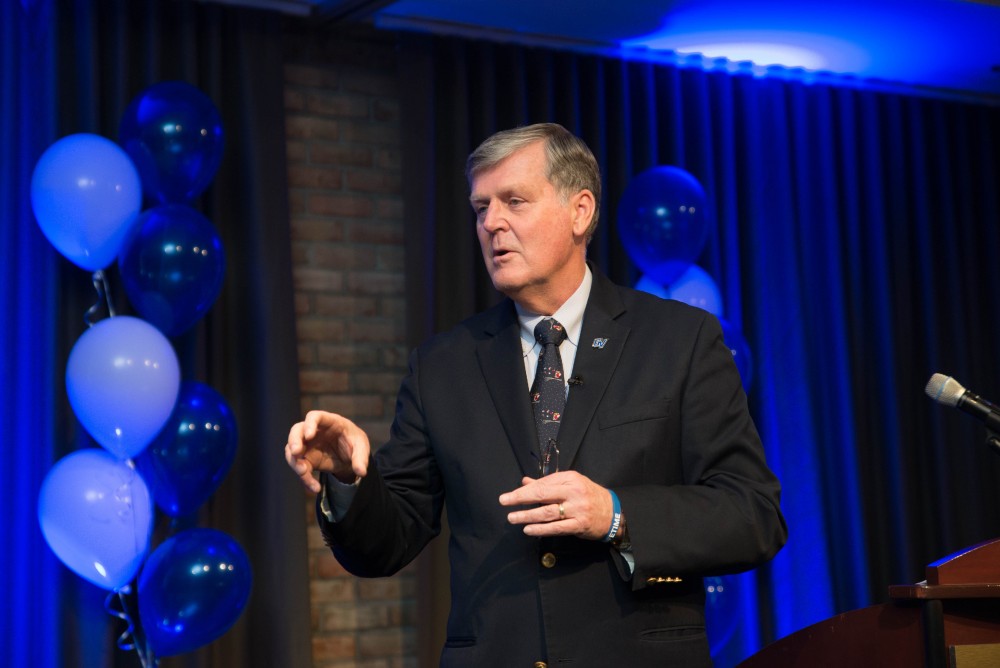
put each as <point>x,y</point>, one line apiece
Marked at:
<point>884,41</point>
<point>939,44</point>
<point>761,53</point>
<point>763,48</point>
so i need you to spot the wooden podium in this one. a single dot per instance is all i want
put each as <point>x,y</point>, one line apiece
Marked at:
<point>951,620</point>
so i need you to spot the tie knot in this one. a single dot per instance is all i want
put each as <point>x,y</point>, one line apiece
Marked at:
<point>550,331</point>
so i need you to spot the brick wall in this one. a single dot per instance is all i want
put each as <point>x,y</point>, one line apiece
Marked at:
<point>342,123</point>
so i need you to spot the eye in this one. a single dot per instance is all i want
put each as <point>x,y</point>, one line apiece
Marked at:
<point>514,202</point>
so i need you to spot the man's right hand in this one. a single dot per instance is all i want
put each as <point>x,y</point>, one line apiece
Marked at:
<point>327,442</point>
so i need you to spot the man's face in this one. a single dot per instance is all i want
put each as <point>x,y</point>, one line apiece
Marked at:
<point>533,240</point>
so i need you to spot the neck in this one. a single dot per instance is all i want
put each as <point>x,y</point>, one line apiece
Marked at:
<point>548,298</point>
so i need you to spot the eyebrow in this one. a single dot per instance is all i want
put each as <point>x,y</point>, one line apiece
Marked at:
<point>504,194</point>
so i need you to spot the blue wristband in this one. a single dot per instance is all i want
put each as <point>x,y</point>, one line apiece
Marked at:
<point>616,517</point>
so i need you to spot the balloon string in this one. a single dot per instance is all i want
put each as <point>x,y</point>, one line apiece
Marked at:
<point>100,282</point>
<point>125,640</point>
<point>131,638</point>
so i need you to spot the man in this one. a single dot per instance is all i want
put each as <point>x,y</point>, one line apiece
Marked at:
<point>659,478</point>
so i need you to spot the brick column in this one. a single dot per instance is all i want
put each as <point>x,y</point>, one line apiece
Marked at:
<point>342,123</point>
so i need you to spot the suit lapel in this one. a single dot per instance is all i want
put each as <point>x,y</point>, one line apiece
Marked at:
<point>602,340</point>
<point>502,364</point>
<point>501,361</point>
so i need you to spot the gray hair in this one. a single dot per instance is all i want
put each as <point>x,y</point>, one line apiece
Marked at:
<point>571,166</point>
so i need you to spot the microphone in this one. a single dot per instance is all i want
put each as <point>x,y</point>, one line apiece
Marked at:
<point>575,380</point>
<point>948,391</point>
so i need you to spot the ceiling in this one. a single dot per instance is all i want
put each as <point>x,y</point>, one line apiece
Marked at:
<point>948,46</point>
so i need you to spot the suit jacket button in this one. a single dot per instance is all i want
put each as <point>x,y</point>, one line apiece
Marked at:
<point>541,664</point>
<point>548,560</point>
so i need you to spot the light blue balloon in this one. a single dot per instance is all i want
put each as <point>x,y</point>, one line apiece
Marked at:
<point>647,284</point>
<point>122,379</point>
<point>97,516</point>
<point>85,190</point>
<point>697,288</point>
<point>694,287</point>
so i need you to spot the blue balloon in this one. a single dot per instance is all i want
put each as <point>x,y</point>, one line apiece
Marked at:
<point>122,379</point>
<point>740,349</point>
<point>172,265</point>
<point>85,192</point>
<point>192,590</point>
<point>97,516</point>
<point>184,465</point>
<point>697,288</point>
<point>173,133</point>
<point>662,222</point>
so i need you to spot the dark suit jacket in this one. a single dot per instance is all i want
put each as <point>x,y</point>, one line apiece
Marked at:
<point>660,417</point>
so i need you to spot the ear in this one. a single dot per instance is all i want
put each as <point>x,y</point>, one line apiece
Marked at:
<point>583,212</point>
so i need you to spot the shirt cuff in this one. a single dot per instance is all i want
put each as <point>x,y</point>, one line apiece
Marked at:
<point>336,497</point>
<point>629,560</point>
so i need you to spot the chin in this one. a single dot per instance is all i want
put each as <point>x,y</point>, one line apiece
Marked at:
<point>504,282</point>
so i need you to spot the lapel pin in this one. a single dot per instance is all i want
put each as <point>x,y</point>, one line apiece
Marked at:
<point>599,342</point>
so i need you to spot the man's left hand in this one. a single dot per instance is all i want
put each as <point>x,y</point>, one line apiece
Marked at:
<point>566,504</point>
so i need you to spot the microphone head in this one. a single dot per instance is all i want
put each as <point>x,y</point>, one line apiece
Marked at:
<point>944,389</point>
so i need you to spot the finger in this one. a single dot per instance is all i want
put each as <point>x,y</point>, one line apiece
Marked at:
<point>290,457</point>
<point>296,460</point>
<point>532,491</point>
<point>540,515</point>
<point>546,514</point>
<point>294,444</point>
<point>353,447</point>
<point>543,529</point>
<point>567,527</point>
<point>322,420</point>
<point>516,497</point>
<point>304,470</point>
<point>310,425</point>
<point>312,483</point>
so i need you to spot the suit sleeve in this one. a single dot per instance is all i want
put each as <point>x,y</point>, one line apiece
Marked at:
<point>725,517</point>
<point>396,513</point>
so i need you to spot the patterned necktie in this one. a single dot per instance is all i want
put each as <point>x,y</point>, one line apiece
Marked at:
<point>548,391</point>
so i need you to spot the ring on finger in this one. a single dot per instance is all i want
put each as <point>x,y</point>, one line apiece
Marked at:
<point>562,512</point>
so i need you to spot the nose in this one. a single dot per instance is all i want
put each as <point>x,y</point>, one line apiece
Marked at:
<point>492,219</point>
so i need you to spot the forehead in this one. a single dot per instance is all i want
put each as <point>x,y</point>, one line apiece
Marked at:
<point>525,167</point>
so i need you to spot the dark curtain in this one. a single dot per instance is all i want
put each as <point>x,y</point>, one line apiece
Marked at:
<point>854,240</point>
<point>30,576</point>
<point>72,66</point>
